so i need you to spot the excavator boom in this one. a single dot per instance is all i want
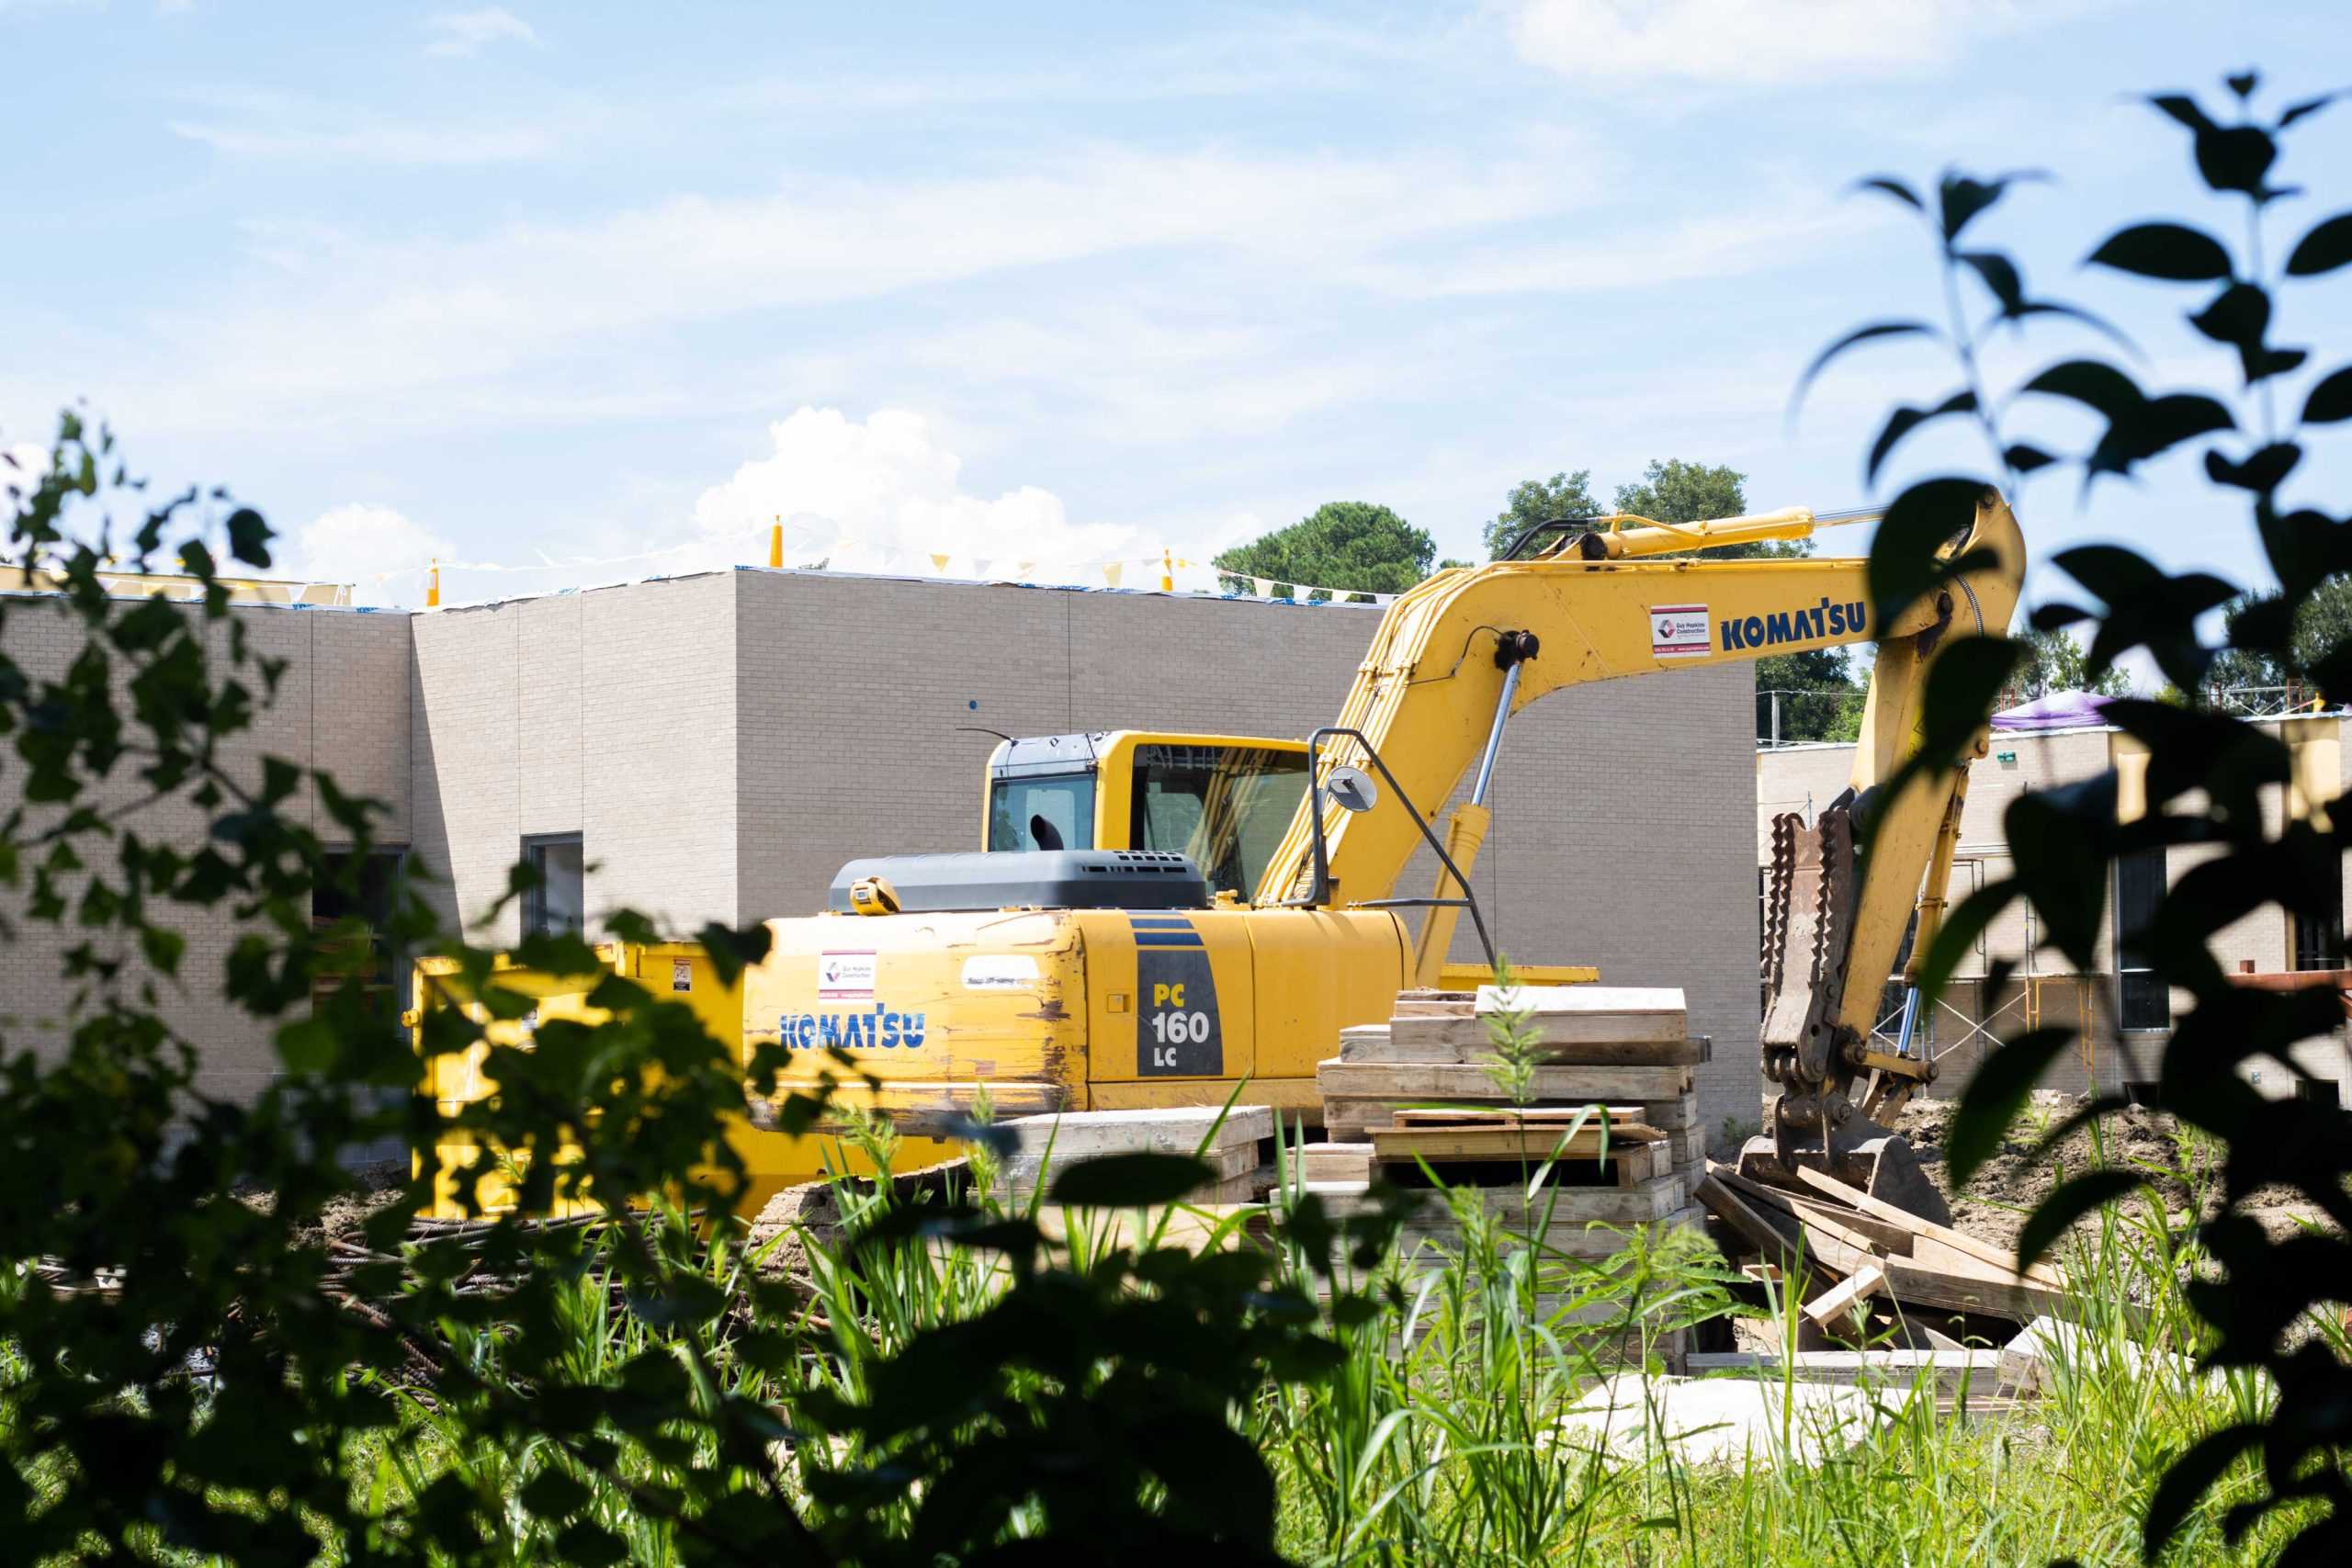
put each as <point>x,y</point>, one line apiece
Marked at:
<point>1462,651</point>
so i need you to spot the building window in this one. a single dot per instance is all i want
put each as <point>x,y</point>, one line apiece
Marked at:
<point>560,903</point>
<point>351,887</point>
<point>2319,939</point>
<point>2142,999</point>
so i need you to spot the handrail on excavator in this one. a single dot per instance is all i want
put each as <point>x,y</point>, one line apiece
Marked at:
<point>1616,535</point>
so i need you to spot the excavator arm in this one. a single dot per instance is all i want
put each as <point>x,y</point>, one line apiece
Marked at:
<point>1461,652</point>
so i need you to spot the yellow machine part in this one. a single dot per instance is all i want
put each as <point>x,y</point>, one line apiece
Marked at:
<point>679,971</point>
<point>1071,1009</point>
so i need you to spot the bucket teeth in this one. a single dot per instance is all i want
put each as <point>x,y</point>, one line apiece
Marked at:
<point>1808,925</point>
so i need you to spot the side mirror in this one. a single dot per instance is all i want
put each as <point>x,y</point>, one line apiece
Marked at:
<point>1352,788</point>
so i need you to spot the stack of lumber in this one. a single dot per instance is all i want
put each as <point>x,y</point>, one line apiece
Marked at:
<point>1848,1250</point>
<point>1613,1120</point>
<point>1043,1145</point>
<point>1624,1047</point>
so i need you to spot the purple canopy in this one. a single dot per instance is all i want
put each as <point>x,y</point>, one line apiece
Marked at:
<point>2059,710</point>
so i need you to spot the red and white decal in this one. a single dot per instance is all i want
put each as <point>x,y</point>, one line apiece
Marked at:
<point>1681,631</point>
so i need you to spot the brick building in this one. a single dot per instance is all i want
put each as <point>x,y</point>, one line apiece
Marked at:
<point>2121,1013</point>
<point>714,747</point>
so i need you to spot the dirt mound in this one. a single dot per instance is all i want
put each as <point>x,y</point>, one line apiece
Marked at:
<point>2182,1167</point>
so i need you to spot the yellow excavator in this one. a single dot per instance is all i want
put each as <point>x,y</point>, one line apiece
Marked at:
<point>1155,916</point>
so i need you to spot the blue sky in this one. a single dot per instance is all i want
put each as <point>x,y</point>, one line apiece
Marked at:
<point>1065,284</point>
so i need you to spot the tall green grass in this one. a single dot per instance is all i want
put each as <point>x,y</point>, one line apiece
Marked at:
<point>1447,1433</point>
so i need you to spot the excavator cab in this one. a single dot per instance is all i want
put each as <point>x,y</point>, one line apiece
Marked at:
<point>1223,801</point>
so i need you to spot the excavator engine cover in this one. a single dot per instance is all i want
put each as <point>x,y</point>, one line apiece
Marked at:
<point>1884,1167</point>
<point>1028,879</point>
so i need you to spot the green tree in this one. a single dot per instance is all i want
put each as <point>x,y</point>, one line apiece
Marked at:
<point>1673,490</point>
<point>2054,661</point>
<point>1349,544</point>
<point>1541,501</point>
<point>2259,655</point>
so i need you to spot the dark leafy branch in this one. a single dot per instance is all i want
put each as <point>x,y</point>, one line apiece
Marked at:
<point>2212,781</point>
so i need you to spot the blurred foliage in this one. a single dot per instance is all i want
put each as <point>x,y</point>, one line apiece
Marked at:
<point>2317,625</point>
<point>2209,774</point>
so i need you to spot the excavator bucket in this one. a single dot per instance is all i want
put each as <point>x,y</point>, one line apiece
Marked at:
<point>1809,899</point>
<point>1883,1166</point>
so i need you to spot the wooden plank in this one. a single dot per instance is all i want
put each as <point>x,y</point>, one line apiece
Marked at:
<point>1650,1201</point>
<point>1179,1129</point>
<point>1616,1037</point>
<point>1617,1116</point>
<point>1434,1080</point>
<point>1675,1114</point>
<point>1334,1162</point>
<point>1837,1301</point>
<point>1753,1227</point>
<point>2019,1302</point>
<point>1906,1280</point>
<point>1373,1042</point>
<point>1562,1238</point>
<point>1572,1001</point>
<point>1816,1222</point>
<point>1533,1143</point>
<point>1879,1208</point>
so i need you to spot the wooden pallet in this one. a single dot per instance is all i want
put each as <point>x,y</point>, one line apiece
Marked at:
<point>1632,1155</point>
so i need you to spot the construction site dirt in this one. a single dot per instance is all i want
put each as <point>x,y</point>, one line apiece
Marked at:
<point>2181,1168</point>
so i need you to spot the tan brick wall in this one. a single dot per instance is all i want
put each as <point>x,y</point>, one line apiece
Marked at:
<point>341,705</point>
<point>609,713</point>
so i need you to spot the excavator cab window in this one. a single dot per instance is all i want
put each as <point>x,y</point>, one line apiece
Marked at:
<point>1050,811</point>
<point>1227,807</point>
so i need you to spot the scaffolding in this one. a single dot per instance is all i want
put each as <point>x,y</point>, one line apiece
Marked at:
<point>2029,1004</point>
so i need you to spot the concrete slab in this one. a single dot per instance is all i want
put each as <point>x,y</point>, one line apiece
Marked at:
<point>1732,1421</point>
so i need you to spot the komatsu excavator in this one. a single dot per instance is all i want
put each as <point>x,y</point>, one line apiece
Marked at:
<point>1155,916</point>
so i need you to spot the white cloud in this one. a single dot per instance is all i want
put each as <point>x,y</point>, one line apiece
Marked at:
<point>882,494</point>
<point>464,33</point>
<point>378,141</point>
<point>383,554</point>
<point>391,318</point>
<point>1637,43</point>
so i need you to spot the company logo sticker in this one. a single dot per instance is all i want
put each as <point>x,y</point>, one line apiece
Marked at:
<point>1681,631</point>
<point>845,977</point>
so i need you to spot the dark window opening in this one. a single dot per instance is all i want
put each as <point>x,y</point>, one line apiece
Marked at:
<point>1053,811</point>
<point>2319,938</point>
<point>2143,1002</point>
<point>559,904</point>
<point>2324,1091</point>
<point>362,888</point>
<point>1227,807</point>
